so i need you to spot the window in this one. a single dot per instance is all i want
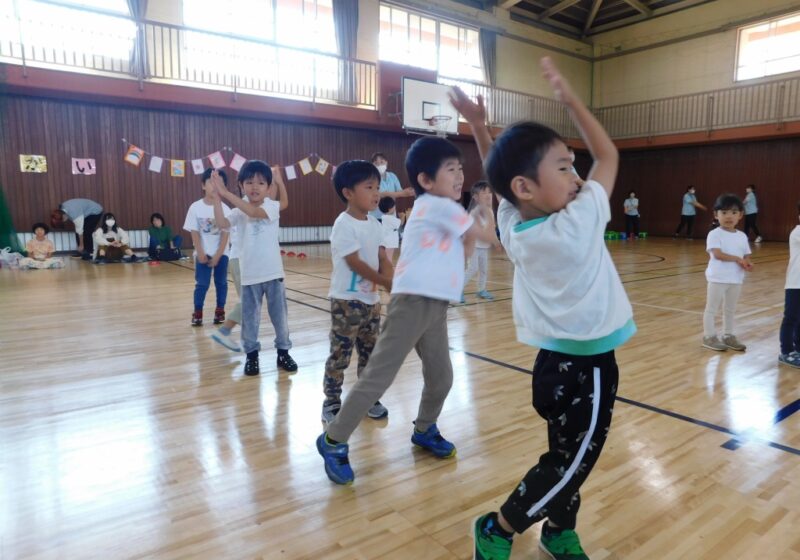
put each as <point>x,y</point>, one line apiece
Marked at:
<point>68,33</point>
<point>769,48</point>
<point>410,38</point>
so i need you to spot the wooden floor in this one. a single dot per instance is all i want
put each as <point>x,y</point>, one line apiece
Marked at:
<point>126,433</point>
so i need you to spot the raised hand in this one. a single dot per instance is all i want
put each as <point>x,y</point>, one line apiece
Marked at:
<point>558,82</point>
<point>473,112</point>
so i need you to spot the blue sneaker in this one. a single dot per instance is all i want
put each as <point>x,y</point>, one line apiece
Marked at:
<point>483,294</point>
<point>337,465</point>
<point>489,545</point>
<point>433,441</point>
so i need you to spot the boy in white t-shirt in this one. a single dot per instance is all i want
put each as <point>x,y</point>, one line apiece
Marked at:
<point>429,275</point>
<point>568,300</point>
<point>257,223</point>
<point>729,258</point>
<point>210,250</point>
<point>391,225</point>
<point>360,265</point>
<point>790,326</point>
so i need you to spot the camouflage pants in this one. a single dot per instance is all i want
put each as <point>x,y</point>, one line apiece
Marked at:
<point>352,322</point>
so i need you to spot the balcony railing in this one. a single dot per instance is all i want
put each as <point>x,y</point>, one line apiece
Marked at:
<point>150,51</point>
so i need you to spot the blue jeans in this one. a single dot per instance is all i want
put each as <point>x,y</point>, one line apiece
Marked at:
<point>165,254</point>
<point>202,278</point>
<point>276,307</point>
<point>790,327</point>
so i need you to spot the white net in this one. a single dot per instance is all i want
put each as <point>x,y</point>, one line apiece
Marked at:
<point>440,123</point>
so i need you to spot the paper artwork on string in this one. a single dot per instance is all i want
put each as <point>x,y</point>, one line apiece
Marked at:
<point>197,166</point>
<point>32,163</point>
<point>155,164</point>
<point>305,166</point>
<point>322,166</point>
<point>83,166</point>
<point>134,155</point>
<point>237,162</point>
<point>177,168</point>
<point>291,174</point>
<point>216,159</point>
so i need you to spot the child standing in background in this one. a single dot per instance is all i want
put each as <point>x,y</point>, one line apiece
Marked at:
<point>210,250</point>
<point>631,206</point>
<point>790,327</point>
<point>391,225</point>
<point>729,258</point>
<point>480,208</point>
<point>751,213</point>
<point>360,264</point>
<point>40,250</point>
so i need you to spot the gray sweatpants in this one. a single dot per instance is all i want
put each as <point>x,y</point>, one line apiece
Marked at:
<point>478,262</point>
<point>416,322</point>
<point>233,268</point>
<point>727,296</point>
<point>252,296</point>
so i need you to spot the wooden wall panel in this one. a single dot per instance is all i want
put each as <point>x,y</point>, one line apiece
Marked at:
<point>61,130</point>
<point>660,178</point>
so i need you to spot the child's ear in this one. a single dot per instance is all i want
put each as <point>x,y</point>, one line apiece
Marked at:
<point>424,181</point>
<point>347,193</point>
<point>523,187</point>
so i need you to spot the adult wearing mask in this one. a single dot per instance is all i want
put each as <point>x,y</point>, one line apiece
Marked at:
<point>631,206</point>
<point>688,212</point>
<point>751,213</point>
<point>85,214</point>
<point>390,184</point>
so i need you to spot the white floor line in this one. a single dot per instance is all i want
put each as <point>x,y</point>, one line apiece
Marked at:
<point>667,308</point>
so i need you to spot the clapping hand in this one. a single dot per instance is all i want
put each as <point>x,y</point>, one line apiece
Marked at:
<point>474,113</point>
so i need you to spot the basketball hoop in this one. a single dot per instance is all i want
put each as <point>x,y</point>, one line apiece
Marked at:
<point>440,123</point>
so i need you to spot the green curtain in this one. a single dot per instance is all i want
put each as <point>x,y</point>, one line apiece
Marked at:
<point>8,237</point>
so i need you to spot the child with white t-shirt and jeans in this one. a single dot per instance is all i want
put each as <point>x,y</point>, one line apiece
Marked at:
<point>790,326</point>
<point>429,275</point>
<point>210,250</point>
<point>360,265</point>
<point>568,301</point>
<point>729,258</point>
<point>257,223</point>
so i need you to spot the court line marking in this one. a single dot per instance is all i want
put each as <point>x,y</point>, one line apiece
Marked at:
<point>737,436</point>
<point>784,413</point>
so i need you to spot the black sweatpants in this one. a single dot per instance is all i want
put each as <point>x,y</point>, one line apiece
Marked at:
<point>750,223</point>
<point>90,224</point>
<point>631,226</point>
<point>575,394</point>
<point>689,221</point>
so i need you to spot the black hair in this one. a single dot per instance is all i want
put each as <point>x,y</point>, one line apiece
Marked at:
<point>728,202</point>
<point>752,187</point>
<point>160,217</point>
<point>690,187</point>
<point>207,175</point>
<point>103,225</point>
<point>386,204</point>
<point>479,186</point>
<point>42,225</point>
<point>427,155</point>
<point>518,151</point>
<point>255,167</point>
<point>630,193</point>
<point>377,155</point>
<point>352,172</point>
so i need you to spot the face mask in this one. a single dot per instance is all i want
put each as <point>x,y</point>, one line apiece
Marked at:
<point>110,223</point>
<point>572,156</point>
<point>381,169</point>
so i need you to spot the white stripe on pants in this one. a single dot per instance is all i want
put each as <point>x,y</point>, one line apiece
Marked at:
<point>478,262</point>
<point>726,295</point>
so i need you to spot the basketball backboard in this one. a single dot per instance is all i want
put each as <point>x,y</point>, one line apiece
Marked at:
<point>424,100</point>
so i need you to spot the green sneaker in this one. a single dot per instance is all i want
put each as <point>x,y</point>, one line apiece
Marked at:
<point>563,546</point>
<point>488,546</point>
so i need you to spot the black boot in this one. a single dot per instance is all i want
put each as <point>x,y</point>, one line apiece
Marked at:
<point>251,365</point>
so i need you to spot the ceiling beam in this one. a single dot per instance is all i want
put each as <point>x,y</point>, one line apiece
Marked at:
<point>640,7</point>
<point>677,7</point>
<point>533,19</point>
<point>508,4</point>
<point>560,7</point>
<point>592,15</point>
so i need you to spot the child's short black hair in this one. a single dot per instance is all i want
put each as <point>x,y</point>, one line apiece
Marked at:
<point>690,187</point>
<point>160,217</point>
<point>728,201</point>
<point>38,225</point>
<point>427,155</point>
<point>752,187</point>
<point>479,186</point>
<point>518,151</point>
<point>386,204</point>
<point>377,155</point>
<point>207,175</point>
<point>255,167</point>
<point>352,172</point>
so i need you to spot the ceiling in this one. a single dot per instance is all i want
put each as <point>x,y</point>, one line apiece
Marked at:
<point>582,18</point>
